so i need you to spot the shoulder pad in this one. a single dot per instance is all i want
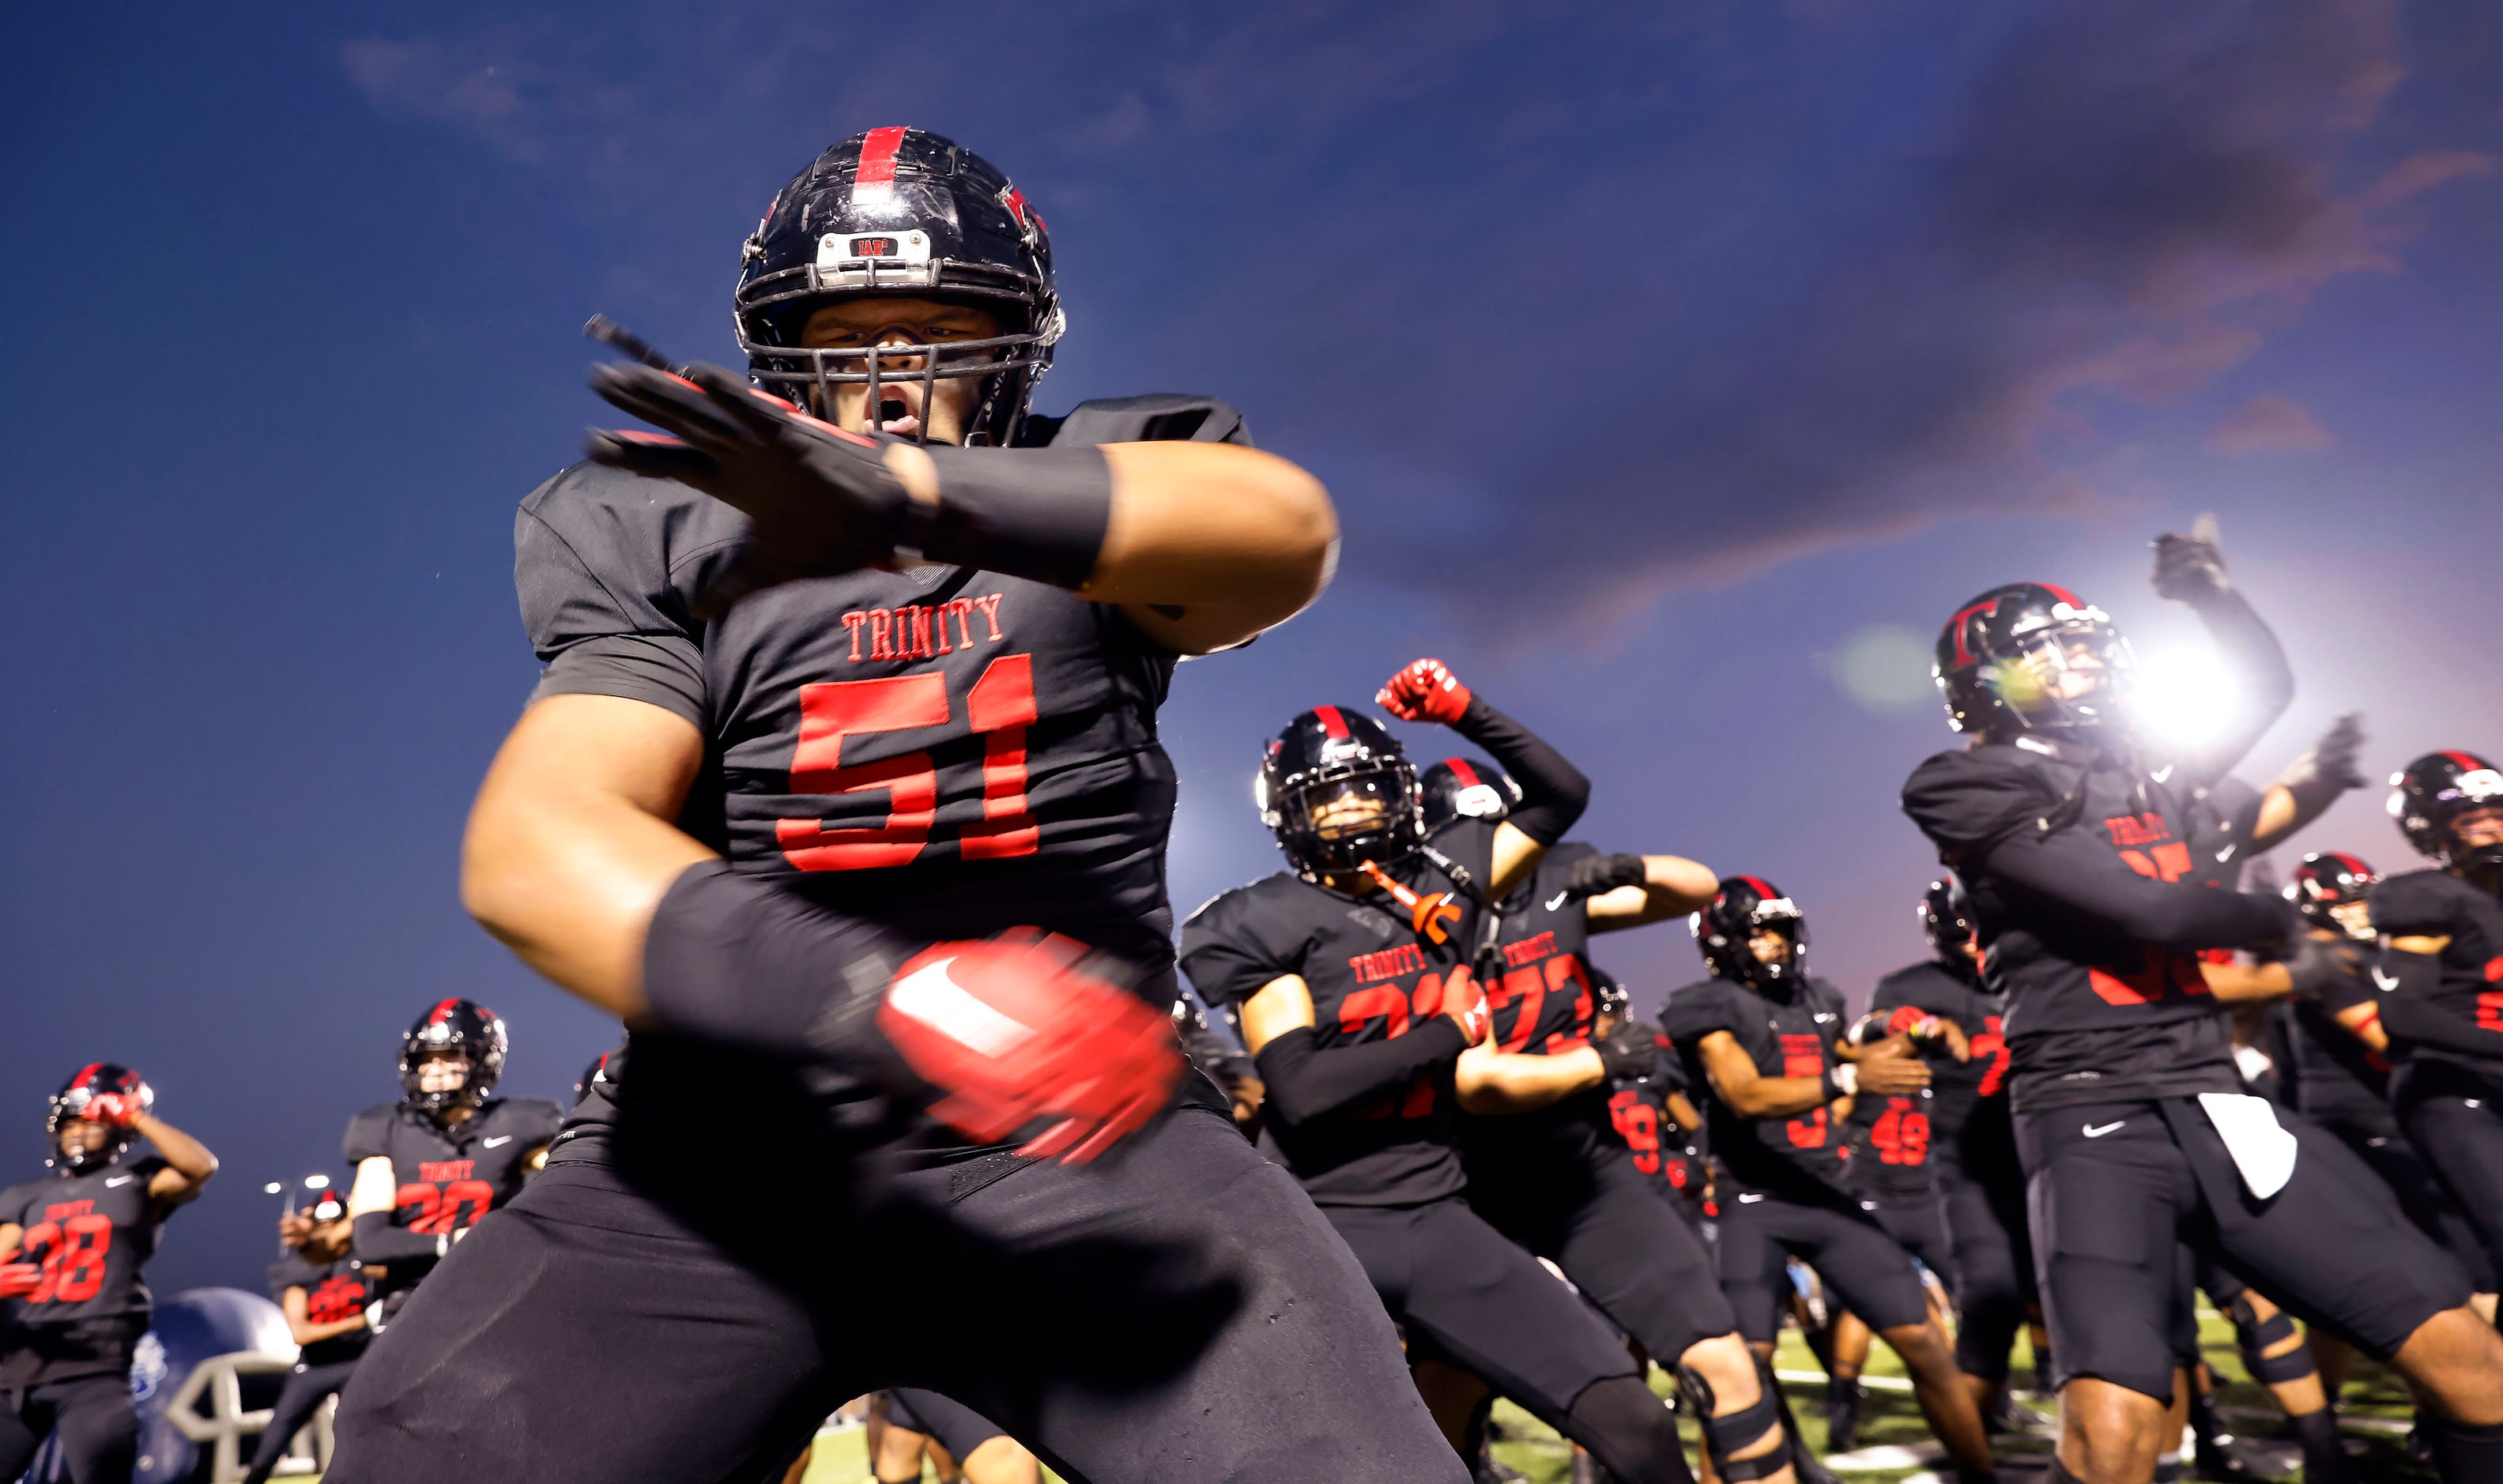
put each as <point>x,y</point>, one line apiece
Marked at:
<point>369,1132</point>
<point>1970,800</point>
<point>2417,901</point>
<point>1159,416</point>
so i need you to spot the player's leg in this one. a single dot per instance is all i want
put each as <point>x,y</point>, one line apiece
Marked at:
<point>983,1451</point>
<point>1752,1256</point>
<point>1868,1274</point>
<point>1848,1359</point>
<point>896,1442</point>
<point>1180,1310</point>
<point>1987,1273</point>
<point>305,1390</point>
<point>2105,1209</point>
<point>2461,1140</point>
<point>97,1427</point>
<point>594,1331</point>
<point>23,1424</point>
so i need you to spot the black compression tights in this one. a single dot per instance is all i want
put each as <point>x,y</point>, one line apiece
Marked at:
<point>1630,1431</point>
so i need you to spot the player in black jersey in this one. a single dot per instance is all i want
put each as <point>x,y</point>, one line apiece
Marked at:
<point>72,1245</point>
<point>842,785</point>
<point>1760,1038</point>
<point>2440,978</point>
<point>1535,1129</point>
<point>1659,1131</point>
<point>2075,854</point>
<point>1352,976</point>
<point>447,1153</point>
<point>324,1290</point>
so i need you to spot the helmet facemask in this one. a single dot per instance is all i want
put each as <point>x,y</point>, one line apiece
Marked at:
<point>808,377</point>
<point>2073,676</point>
<point>1340,818</point>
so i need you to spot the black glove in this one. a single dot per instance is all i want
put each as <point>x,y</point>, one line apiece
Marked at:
<point>2330,767</point>
<point>1632,1050</point>
<point>1593,875</point>
<point>2318,964</point>
<point>2189,569</point>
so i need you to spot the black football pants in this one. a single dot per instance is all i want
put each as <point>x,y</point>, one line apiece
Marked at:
<point>99,1431</point>
<point>2390,1155</point>
<point>1862,1266</point>
<point>2115,1191</point>
<point>1617,1236</point>
<point>2459,1131</point>
<point>1177,1310</point>
<point>951,1425</point>
<point>307,1388</point>
<point>1992,1277</point>
<point>1917,1225</point>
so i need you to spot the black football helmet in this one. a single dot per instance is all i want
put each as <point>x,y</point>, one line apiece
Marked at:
<point>590,1075</point>
<point>454,1025</point>
<point>1995,657</point>
<point>901,212</point>
<point>72,1102</point>
<point>2430,794</point>
<point>1465,789</point>
<point>1609,998</point>
<point>2328,889</point>
<point>1328,755</point>
<point>1947,921</point>
<point>1743,906</point>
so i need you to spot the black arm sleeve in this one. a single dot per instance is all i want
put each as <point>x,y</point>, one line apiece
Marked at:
<point>736,959</point>
<point>2412,1018</point>
<point>2068,870</point>
<point>377,1240</point>
<point>2250,651</point>
<point>1553,792</point>
<point>1305,1082</point>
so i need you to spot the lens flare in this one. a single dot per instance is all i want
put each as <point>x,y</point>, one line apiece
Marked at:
<point>2184,698</point>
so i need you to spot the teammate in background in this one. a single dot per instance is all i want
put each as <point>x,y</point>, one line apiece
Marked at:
<point>1535,1129</point>
<point>2076,852</point>
<point>1656,1122</point>
<point>72,1245</point>
<point>431,1164</point>
<point>906,1424</point>
<point>841,704</point>
<point>322,1287</point>
<point>2440,932</point>
<point>1760,1037</point>
<point>1351,972</point>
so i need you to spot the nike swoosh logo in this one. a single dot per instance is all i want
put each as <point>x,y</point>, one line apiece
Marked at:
<point>2382,982</point>
<point>929,996</point>
<point>500,1138</point>
<point>1749,1199</point>
<point>1556,900</point>
<point>2094,1132</point>
<point>119,1180</point>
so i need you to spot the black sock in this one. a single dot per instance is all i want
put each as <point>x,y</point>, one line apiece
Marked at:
<point>2463,1452</point>
<point>1629,1431</point>
<point>2324,1459</point>
<point>2206,1423</point>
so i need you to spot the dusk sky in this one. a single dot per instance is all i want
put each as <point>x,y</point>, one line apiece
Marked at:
<point>1676,370</point>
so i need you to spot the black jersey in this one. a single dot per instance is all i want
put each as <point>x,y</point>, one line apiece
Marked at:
<point>2435,903</point>
<point>1368,969</point>
<point>91,1235</point>
<point>2093,1015</point>
<point>1538,996</point>
<point>1966,1119</point>
<point>1802,1156</point>
<point>449,1177</point>
<point>2337,1078</point>
<point>948,752</point>
<point>333,1292</point>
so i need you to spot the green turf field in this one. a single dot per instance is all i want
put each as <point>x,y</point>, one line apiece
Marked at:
<point>2375,1407</point>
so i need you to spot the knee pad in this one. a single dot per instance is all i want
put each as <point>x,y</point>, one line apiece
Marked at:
<point>1724,1435</point>
<point>2254,1341</point>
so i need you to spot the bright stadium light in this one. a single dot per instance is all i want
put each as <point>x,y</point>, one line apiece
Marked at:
<point>316,1182</point>
<point>272,1188</point>
<point>2185,696</point>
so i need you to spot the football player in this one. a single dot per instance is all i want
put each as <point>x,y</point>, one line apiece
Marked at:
<point>1351,975</point>
<point>322,1287</point>
<point>2132,1124</point>
<point>1534,1130</point>
<point>842,787</point>
<point>2440,932</point>
<point>446,1154</point>
<point>1659,1131</point>
<point>906,1424</point>
<point>72,1245</point>
<point>1760,1037</point>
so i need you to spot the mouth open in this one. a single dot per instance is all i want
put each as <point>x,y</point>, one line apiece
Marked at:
<point>898,409</point>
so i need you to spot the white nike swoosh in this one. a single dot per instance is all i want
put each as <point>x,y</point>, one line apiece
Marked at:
<point>1556,900</point>
<point>927,994</point>
<point>1749,1199</point>
<point>2094,1132</point>
<point>119,1180</point>
<point>2382,982</point>
<point>500,1138</point>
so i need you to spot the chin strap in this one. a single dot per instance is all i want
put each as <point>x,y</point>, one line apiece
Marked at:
<point>1432,914</point>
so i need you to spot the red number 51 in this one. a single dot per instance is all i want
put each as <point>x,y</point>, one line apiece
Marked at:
<point>1000,706</point>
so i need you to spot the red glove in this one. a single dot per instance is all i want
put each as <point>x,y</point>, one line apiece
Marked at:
<point>18,1279</point>
<point>114,1110</point>
<point>1425,692</point>
<point>1459,996</point>
<point>1017,1029</point>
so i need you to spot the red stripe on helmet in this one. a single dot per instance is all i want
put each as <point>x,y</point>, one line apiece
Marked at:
<point>2354,866</point>
<point>1331,722</point>
<point>1460,769</point>
<point>1964,655</point>
<point>80,1078</point>
<point>2469,761</point>
<point>441,1012</point>
<point>2062,593</point>
<point>1763,888</point>
<point>874,180</point>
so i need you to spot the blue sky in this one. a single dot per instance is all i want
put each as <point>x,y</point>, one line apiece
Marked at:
<point>1671,366</point>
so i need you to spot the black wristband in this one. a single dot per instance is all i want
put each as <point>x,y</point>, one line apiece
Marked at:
<point>1037,512</point>
<point>732,959</point>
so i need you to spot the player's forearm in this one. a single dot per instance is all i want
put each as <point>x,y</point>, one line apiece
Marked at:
<point>565,860</point>
<point>377,1240</point>
<point>1554,793</point>
<point>190,1158</point>
<point>1212,522</point>
<point>1306,1081</point>
<point>306,1334</point>
<point>2410,1016</point>
<point>1495,1082</point>
<point>1776,1096</point>
<point>2069,872</point>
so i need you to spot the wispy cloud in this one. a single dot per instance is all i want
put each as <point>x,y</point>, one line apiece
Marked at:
<point>2269,424</point>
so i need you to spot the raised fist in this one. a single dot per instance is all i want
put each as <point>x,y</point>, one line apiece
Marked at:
<point>2190,569</point>
<point>114,1110</point>
<point>1631,1050</point>
<point>1597,875</point>
<point>1461,997</point>
<point>1024,1029</point>
<point>1426,691</point>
